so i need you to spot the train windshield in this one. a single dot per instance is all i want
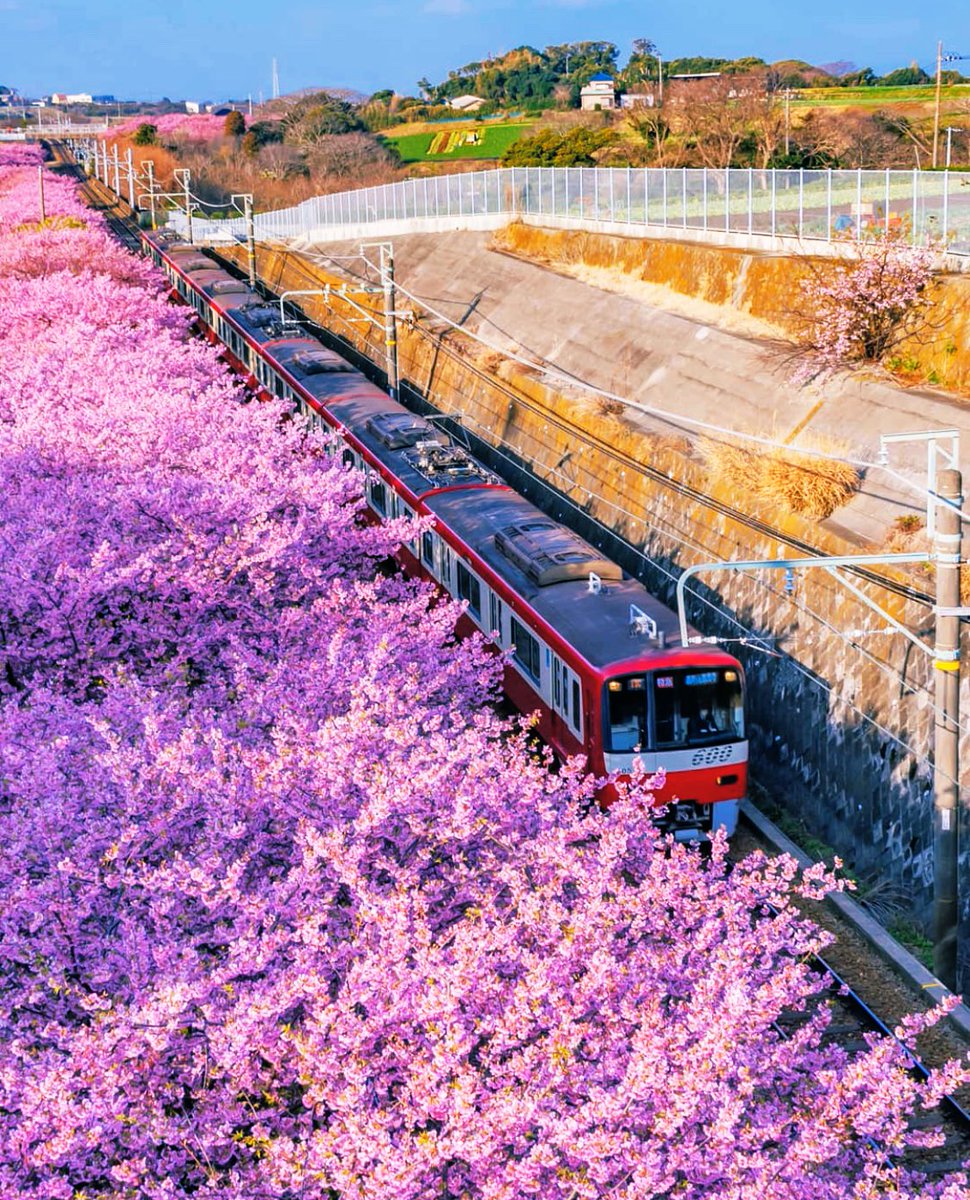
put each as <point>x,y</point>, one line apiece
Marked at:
<point>665,709</point>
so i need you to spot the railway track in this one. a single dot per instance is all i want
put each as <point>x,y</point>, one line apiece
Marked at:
<point>115,211</point>
<point>852,1020</point>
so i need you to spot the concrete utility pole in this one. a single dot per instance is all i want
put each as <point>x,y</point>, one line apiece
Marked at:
<point>117,166</point>
<point>946,757</point>
<point>130,162</point>
<point>936,104</point>
<point>250,238</point>
<point>183,176</point>
<point>787,121</point>
<point>40,184</point>
<point>950,131</point>
<point>390,317</point>
<point>150,168</point>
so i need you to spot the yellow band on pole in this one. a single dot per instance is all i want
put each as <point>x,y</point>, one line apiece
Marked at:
<point>946,666</point>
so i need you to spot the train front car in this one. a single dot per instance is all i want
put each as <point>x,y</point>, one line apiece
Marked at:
<point>682,711</point>
<point>598,658</point>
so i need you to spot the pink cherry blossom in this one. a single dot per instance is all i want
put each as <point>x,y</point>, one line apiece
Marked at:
<point>286,909</point>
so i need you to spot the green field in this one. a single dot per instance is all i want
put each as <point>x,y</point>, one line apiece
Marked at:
<point>863,96</point>
<point>495,140</point>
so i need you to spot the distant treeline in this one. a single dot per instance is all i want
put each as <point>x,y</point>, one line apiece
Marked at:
<point>532,78</point>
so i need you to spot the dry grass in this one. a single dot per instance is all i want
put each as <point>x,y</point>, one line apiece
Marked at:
<point>608,407</point>
<point>785,479</point>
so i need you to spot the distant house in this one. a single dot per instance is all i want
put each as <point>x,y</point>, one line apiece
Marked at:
<point>71,98</point>
<point>600,92</point>
<point>466,103</point>
<point>193,106</point>
<point>637,100</point>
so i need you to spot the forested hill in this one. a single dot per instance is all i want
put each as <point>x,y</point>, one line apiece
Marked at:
<point>526,76</point>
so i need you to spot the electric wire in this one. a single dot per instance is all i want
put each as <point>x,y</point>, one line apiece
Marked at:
<point>749,637</point>
<point>671,418</point>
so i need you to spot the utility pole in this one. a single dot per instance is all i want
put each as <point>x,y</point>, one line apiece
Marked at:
<point>787,121</point>
<point>150,168</point>
<point>950,131</point>
<point>390,317</point>
<point>250,238</point>
<point>117,165</point>
<point>936,105</point>
<point>40,183</point>
<point>130,162</point>
<point>946,757</point>
<point>183,177</point>
<point>660,81</point>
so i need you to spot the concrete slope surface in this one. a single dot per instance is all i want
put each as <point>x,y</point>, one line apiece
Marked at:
<point>685,366</point>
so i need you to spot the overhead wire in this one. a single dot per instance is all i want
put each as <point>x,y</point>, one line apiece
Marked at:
<point>677,419</point>
<point>750,637</point>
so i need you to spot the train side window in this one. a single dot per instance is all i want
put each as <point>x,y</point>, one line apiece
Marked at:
<point>557,684</point>
<point>526,652</point>
<point>470,589</point>
<point>378,495</point>
<point>576,717</point>
<point>446,557</point>
<point>495,617</point>
<point>347,458</point>
<point>427,549</point>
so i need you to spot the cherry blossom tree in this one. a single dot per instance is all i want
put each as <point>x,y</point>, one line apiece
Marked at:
<point>286,909</point>
<point>859,308</point>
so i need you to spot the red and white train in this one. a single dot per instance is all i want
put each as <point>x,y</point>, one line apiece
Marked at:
<point>591,650</point>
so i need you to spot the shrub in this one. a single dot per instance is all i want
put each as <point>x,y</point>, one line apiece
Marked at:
<point>146,135</point>
<point>234,124</point>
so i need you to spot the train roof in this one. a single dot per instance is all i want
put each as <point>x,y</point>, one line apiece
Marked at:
<point>601,624</point>
<point>420,455</point>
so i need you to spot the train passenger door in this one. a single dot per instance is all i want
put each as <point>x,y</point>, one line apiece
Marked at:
<point>566,701</point>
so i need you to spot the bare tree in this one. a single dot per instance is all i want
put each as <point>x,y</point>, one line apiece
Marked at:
<point>351,156</point>
<point>653,127</point>
<point>851,139</point>
<point>765,115</point>
<point>712,116</point>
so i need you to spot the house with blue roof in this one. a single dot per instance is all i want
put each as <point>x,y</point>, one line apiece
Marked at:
<point>600,92</point>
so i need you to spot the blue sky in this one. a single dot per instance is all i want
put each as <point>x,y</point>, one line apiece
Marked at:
<point>211,49</point>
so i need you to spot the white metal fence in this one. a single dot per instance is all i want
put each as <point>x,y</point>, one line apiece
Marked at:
<point>922,206</point>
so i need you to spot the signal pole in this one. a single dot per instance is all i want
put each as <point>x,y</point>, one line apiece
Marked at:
<point>946,757</point>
